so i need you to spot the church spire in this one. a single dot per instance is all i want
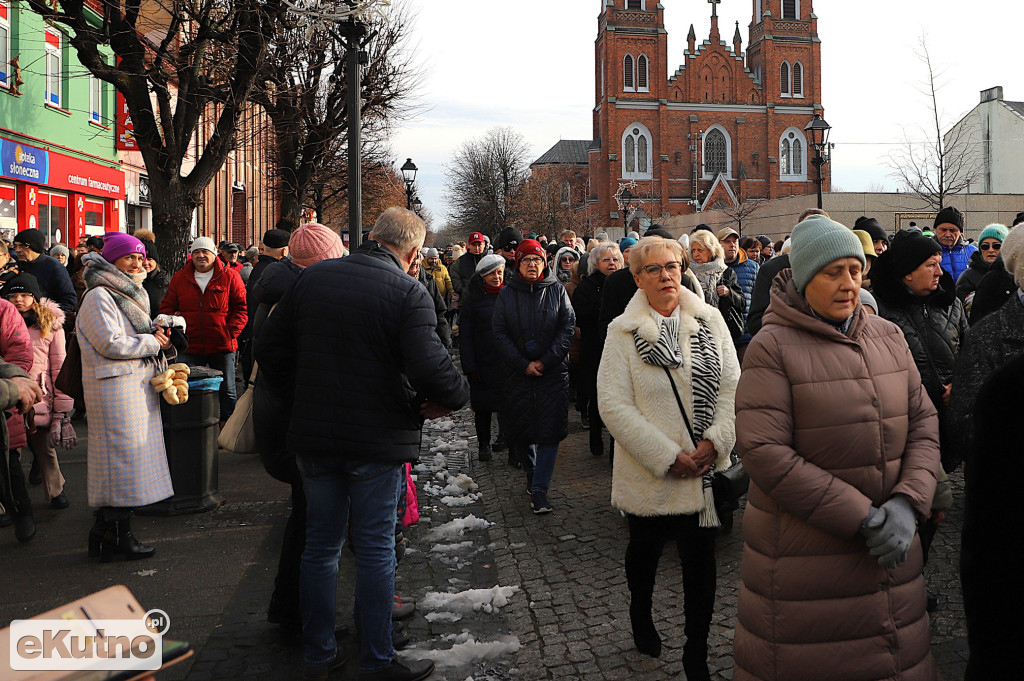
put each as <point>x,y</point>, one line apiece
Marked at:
<point>691,40</point>
<point>737,40</point>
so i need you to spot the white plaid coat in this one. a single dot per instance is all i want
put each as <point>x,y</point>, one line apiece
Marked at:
<point>127,463</point>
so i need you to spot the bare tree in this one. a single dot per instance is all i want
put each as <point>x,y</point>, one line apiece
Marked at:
<point>737,214</point>
<point>483,178</point>
<point>934,166</point>
<point>304,90</point>
<point>177,62</point>
<point>551,201</point>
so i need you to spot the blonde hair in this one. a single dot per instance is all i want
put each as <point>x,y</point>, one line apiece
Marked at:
<point>45,318</point>
<point>708,241</point>
<point>638,254</point>
<point>598,253</point>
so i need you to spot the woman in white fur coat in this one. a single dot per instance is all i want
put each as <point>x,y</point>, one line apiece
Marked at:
<point>668,336</point>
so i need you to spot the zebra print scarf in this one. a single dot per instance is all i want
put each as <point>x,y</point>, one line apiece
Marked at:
<point>706,380</point>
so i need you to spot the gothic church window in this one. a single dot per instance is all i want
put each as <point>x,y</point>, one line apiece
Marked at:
<point>716,153</point>
<point>790,9</point>
<point>784,80</point>
<point>634,4</point>
<point>798,80</point>
<point>792,161</point>
<point>628,83</point>
<point>642,74</point>
<point>636,153</point>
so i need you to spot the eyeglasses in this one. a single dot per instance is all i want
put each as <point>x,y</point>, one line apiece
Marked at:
<point>994,246</point>
<point>609,259</point>
<point>511,247</point>
<point>533,261</point>
<point>673,267</point>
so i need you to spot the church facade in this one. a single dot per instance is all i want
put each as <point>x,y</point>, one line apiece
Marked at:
<point>725,128</point>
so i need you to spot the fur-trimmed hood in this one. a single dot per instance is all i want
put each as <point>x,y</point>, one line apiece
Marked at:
<point>58,322</point>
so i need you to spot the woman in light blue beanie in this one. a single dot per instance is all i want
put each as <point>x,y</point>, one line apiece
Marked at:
<point>990,244</point>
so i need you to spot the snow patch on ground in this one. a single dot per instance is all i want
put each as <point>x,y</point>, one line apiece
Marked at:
<point>472,600</point>
<point>459,527</point>
<point>451,548</point>
<point>468,651</point>
<point>443,617</point>
<point>468,500</point>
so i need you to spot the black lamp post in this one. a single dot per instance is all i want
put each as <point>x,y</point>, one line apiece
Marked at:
<point>409,175</point>
<point>417,205</point>
<point>626,197</point>
<point>818,130</point>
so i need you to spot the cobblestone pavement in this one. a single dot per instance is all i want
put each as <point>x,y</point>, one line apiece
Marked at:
<point>572,616</point>
<point>562,575</point>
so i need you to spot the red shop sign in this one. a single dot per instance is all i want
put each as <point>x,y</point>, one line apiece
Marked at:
<point>77,175</point>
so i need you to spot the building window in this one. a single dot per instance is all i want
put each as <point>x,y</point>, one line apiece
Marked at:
<point>628,82</point>
<point>758,11</point>
<point>94,220</point>
<point>566,193</point>
<point>784,80</point>
<point>790,9</point>
<point>642,74</point>
<point>716,153</point>
<point>798,80</point>
<point>54,69</point>
<point>792,160</point>
<point>634,4</point>
<point>5,44</point>
<point>8,211</point>
<point>95,100</point>
<point>636,153</point>
<point>53,217</point>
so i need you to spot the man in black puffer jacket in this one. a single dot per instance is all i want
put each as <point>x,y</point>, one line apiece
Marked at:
<point>357,337</point>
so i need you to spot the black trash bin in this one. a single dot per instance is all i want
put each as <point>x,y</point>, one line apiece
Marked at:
<point>190,437</point>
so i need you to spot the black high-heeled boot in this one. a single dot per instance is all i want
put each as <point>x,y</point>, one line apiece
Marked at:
<point>645,636</point>
<point>695,661</point>
<point>127,545</point>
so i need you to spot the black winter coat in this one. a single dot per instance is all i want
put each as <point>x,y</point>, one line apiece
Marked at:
<point>156,284</point>
<point>934,327</point>
<point>359,337</point>
<point>262,263</point>
<point>972,276</point>
<point>993,290</point>
<point>989,561</point>
<point>991,343</point>
<point>586,303</point>
<point>462,270</point>
<point>761,296</point>
<point>535,322</point>
<point>478,348</point>
<point>444,331</point>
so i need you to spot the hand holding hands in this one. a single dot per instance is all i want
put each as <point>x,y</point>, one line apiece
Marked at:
<point>535,368</point>
<point>684,466</point>
<point>890,531</point>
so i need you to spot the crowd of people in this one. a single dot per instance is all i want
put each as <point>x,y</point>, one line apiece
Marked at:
<point>848,369</point>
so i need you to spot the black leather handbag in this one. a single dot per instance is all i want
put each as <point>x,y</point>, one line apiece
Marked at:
<point>728,486</point>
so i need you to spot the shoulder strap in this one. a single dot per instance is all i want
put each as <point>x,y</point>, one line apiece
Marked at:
<point>682,410</point>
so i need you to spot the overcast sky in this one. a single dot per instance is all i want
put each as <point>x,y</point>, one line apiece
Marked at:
<point>530,65</point>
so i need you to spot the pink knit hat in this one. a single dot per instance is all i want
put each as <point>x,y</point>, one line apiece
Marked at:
<point>314,242</point>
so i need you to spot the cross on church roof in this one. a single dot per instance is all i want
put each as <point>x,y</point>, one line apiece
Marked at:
<point>714,7</point>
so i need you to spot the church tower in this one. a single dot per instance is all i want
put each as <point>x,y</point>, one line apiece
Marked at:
<point>784,52</point>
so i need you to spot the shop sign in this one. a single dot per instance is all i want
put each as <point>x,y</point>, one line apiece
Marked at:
<point>22,162</point>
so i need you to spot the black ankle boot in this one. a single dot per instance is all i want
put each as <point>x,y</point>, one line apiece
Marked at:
<point>24,522</point>
<point>645,636</point>
<point>127,545</point>
<point>112,535</point>
<point>101,535</point>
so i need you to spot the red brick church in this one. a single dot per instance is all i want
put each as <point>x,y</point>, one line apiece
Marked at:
<point>727,126</point>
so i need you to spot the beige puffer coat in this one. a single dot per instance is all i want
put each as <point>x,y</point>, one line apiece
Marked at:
<point>828,426</point>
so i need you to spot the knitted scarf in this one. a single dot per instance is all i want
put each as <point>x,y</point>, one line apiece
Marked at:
<point>100,273</point>
<point>709,274</point>
<point>705,379</point>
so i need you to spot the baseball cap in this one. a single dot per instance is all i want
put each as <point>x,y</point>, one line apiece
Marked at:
<point>727,232</point>
<point>476,236</point>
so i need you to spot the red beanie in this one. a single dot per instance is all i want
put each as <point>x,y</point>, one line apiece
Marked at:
<point>530,247</point>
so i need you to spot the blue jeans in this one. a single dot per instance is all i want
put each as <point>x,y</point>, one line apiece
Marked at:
<point>223,362</point>
<point>367,493</point>
<point>542,459</point>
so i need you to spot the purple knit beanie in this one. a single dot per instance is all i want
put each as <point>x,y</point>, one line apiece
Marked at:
<point>118,244</point>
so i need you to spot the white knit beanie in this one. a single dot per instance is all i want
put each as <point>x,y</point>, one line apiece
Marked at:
<point>1013,254</point>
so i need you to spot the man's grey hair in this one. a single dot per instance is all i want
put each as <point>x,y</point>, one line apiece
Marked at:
<point>602,251</point>
<point>400,228</point>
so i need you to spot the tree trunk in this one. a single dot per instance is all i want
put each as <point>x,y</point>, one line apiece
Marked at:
<point>173,209</point>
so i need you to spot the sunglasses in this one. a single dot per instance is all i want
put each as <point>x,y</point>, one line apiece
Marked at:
<point>995,247</point>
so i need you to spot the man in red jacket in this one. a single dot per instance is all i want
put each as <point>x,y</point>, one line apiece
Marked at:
<point>211,298</point>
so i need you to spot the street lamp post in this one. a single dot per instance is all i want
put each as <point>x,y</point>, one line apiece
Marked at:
<point>417,205</point>
<point>409,175</point>
<point>626,197</point>
<point>819,131</point>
